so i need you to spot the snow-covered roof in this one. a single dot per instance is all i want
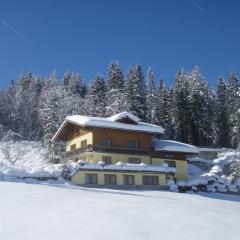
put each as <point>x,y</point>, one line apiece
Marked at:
<point>198,159</point>
<point>124,115</point>
<point>112,122</point>
<point>174,146</point>
<point>120,166</point>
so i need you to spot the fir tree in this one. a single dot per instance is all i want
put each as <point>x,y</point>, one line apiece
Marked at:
<point>222,114</point>
<point>181,106</point>
<point>233,107</point>
<point>116,97</point>
<point>151,98</point>
<point>96,97</point>
<point>136,92</point>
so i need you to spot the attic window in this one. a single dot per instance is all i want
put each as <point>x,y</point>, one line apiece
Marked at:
<point>126,120</point>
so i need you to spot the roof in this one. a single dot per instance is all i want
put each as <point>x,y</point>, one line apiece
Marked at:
<point>174,146</point>
<point>112,122</point>
<point>197,159</point>
<point>120,166</point>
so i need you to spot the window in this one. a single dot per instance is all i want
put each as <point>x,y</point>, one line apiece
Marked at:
<point>84,143</point>
<point>90,178</point>
<point>110,179</point>
<point>107,160</point>
<point>128,179</point>
<point>134,160</point>
<point>106,141</point>
<point>171,163</point>
<point>133,144</point>
<point>150,180</point>
<point>73,147</point>
<point>168,155</point>
<point>169,177</point>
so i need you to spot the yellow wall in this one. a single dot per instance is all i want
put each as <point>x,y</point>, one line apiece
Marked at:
<point>94,157</point>
<point>181,167</point>
<point>79,177</point>
<point>77,141</point>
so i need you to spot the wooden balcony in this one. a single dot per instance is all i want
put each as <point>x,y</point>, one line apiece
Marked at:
<point>108,149</point>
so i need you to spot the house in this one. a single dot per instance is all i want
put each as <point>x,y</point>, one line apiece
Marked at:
<point>122,150</point>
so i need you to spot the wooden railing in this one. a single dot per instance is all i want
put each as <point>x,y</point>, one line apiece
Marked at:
<point>109,149</point>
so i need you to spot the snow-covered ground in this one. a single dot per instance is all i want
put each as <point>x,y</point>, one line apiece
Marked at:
<point>61,211</point>
<point>25,159</point>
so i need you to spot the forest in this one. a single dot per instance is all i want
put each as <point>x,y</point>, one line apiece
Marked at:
<point>190,110</point>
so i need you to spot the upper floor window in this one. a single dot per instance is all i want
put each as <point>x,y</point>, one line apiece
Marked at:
<point>134,160</point>
<point>133,144</point>
<point>106,141</point>
<point>107,160</point>
<point>73,147</point>
<point>84,143</point>
<point>171,163</point>
<point>168,155</point>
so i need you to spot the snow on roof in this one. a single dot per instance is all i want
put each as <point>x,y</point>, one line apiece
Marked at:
<point>111,122</point>
<point>174,146</point>
<point>142,167</point>
<point>124,115</point>
<point>198,159</point>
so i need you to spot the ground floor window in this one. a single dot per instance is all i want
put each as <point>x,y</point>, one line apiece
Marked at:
<point>110,179</point>
<point>90,178</point>
<point>171,163</point>
<point>134,160</point>
<point>150,180</point>
<point>128,179</point>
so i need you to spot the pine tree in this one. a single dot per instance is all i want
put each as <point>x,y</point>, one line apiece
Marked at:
<point>96,97</point>
<point>181,106</point>
<point>151,98</point>
<point>136,91</point>
<point>116,96</point>
<point>163,109</point>
<point>233,103</point>
<point>201,110</point>
<point>222,114</point>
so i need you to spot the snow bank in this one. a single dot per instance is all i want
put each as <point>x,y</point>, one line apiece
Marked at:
<point>26,159</point>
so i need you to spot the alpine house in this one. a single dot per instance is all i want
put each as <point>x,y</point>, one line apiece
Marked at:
<point>121,150</point>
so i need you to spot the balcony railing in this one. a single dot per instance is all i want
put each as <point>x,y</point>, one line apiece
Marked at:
<point>109,149</point>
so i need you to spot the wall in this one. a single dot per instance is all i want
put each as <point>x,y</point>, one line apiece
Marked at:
<point>120,138</point>
<point>79,177</point>
<point>77,140</point>
<point>181,167</point>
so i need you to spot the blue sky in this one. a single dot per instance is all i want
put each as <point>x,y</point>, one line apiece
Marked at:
<point>85,35</point>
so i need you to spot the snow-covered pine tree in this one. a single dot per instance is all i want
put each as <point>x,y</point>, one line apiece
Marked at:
<point>22,103</point>
<point>222,124</point>
<point>181,106</point>
<point>233,104</point>
<point>95,104</point>
<point>163,109</point>
<point>73,82</point>
<point>116,96</point>
<point>136,91</point>
<point>151,98</point>
<point>201,109</point>
<point>55,104</point>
